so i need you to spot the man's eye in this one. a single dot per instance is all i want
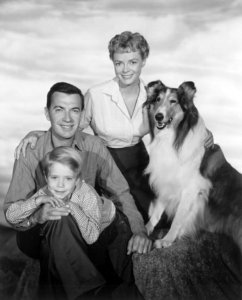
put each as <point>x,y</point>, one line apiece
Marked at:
<point>53,177</point>
<point>117,64</point>
<point>76,110</point>
<point>69,178</point>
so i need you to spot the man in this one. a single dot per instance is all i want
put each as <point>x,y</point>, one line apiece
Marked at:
<point>50,233</point>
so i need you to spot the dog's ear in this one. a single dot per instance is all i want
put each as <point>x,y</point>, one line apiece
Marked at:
<point>153,88</point>
<point>186,92</point>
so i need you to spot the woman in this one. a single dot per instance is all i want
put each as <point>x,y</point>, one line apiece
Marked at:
<point>114,111</point>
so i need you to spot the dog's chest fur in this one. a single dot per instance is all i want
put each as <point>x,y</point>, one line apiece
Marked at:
<point>175,172</point>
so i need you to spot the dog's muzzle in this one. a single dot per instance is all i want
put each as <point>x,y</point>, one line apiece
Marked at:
<point>159,121</point>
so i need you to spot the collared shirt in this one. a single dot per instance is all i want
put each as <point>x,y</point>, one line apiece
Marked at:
<point>91,212</point>
<point>99,170</point>
<point>106,113</point>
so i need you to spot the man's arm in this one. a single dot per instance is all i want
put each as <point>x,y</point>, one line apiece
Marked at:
<point>112,181</point>
<point>22,185</point>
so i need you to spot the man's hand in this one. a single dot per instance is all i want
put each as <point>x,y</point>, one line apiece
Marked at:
<point>49,213</point>
<point>139,243</point>
<point>30,139</point>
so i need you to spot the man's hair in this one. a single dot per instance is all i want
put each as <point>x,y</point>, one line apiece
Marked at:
<point>128,42</point>
<point>65,88</point>
<point>67,156</point>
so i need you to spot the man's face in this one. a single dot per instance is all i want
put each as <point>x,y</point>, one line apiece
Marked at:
<point>64,115</point>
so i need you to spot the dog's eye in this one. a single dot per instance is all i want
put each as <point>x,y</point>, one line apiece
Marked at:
<point>173,101</point>
<point>157,99</point>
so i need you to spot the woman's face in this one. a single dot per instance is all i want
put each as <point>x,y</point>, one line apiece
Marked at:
<point>128,66</point>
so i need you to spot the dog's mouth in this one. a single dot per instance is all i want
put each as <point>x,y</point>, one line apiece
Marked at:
<point>162,125</point>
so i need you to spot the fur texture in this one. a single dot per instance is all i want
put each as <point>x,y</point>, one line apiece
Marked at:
<point>197,188</point>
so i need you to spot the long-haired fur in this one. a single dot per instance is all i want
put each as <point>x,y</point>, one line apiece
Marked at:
<point>197,188</point>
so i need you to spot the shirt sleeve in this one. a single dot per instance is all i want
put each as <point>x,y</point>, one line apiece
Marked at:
<point>85,208</point>
<point>19,211</point>
<point>86,116</point>
<point>22,185</point>
<point>115,187</point>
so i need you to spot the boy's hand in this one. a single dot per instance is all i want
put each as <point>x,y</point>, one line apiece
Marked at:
<point>48,199</point>
<point>49,213</point>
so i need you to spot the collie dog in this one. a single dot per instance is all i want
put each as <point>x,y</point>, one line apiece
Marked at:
<point>196,187</point>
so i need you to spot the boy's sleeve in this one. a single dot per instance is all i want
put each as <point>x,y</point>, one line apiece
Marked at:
<point>85,208</point>
<point>19,211</point>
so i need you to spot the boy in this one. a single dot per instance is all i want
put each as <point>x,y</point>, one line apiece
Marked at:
<point>62,169</point>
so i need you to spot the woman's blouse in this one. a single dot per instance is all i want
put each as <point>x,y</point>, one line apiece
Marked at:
<point>106,113</point>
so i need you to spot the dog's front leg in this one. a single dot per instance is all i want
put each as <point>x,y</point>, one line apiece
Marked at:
<point>156,210</point>
<point>185,219</point>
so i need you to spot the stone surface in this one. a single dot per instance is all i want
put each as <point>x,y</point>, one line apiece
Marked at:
<point>206,267</point>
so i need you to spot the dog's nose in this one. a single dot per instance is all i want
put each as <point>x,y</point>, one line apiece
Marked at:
<point>159,117</point>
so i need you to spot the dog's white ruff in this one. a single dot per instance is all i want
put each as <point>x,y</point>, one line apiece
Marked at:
<point>180,188</point>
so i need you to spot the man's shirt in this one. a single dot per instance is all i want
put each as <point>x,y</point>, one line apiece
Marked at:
<point>99,170</point>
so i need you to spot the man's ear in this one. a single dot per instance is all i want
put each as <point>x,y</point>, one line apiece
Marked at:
<point>47,115</point>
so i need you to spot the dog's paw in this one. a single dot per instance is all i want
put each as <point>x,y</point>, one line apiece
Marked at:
<point>149,228</point>
<point>162,243</point>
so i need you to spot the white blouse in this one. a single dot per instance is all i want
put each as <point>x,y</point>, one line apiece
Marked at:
<point>108,116</point>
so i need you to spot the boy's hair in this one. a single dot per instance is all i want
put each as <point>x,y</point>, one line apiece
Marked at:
<point>66,88</point>
<point>127,42</point>
<point>67,156</point>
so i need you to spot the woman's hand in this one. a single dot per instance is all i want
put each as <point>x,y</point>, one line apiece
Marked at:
<point>139,243</point>
<point>209,142</point>
<point>31,138</point>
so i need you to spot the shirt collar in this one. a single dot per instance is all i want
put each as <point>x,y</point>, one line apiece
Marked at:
<point>78,141</point>
<point>112,89</point>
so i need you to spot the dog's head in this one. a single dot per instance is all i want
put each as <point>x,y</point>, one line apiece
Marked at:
<point>171,107</point>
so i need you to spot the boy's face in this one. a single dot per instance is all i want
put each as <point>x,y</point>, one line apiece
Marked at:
<point>61,180</point>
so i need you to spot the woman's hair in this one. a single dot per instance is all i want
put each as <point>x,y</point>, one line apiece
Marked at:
<point>64,155</point>
<point>127,42</point>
